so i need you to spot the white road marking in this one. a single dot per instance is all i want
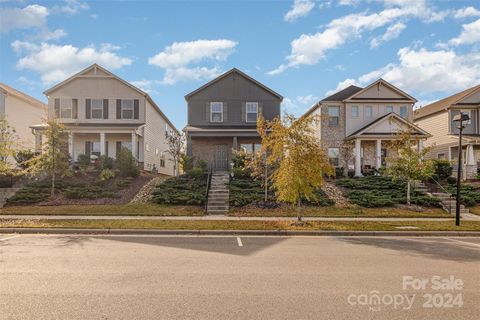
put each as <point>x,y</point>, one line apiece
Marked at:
<point>465,242</point>
<point>12,237</point>
<point>239,241</point>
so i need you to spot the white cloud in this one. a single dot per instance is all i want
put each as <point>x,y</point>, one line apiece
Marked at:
<point>47,35</point>
<point>309,49</point>
<point>392,32</point>
<point>466,12</point>
<point>177,59</point>
<point>57,62</point>
<point>470,34</point>
<point>348,2</point>
<point>300,8</point>
<point>70,7</point>
<point>421,70</point>
<point>308,99</point>
<point>146,85</point>
<point>32,16</point>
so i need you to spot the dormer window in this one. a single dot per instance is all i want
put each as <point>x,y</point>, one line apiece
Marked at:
<point>252,111</point>
<point>216,111</point>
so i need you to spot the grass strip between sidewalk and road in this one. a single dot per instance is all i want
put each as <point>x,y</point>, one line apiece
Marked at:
<point>241,225</point>
<point>176,210</point>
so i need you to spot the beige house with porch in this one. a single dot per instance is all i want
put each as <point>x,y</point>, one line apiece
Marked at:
<point>104,113</point>
<point>437,118</point>
<point>357,125</point>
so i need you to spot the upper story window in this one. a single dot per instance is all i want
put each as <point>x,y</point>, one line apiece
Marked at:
<point>469,114</point>
<point>252,111</point>
<point>388,109</point>
<point>403,112</point>
<point>66,108</point>
<point>333,115</point>
<point>127,109</point>
<point>216,111</point>
<point>97,109</point>
<point>368,111</point>
<point>354,111</point>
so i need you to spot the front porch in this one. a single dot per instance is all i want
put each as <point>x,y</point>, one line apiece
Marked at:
<point>470,157</point>
<point>98,143</point>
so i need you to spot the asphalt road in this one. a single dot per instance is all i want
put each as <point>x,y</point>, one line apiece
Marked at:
<point>155,277</point>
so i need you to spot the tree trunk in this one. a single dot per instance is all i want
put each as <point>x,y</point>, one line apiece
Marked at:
<point>408,192</point>
<point>266,181</point>
<point>53,184</point>
<point>299,211</point>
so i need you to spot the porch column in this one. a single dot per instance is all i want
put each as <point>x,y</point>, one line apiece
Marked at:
<point>189,145</point>
<point>70,145</point>
<point>378,154</point>
<point>358,159</point>
<point>38,141</point>
<point>235,144</point>
<point>134,144</point>
<point>470,158</point>
<point>102,143</point>
<point>420,145</point>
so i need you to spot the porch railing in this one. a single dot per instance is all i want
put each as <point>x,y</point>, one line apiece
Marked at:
<point>207,189</point>
<point>436,187</point>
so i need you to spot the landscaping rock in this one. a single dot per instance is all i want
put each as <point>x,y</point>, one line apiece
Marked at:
<point>336,195</point>
<point>145,195</point>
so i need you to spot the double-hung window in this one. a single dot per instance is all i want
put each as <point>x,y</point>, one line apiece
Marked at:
<point>66,108</point>
<point>97,109</point>
<point>216,111</point>
<point>403,112</point>
<point>252,111</point>
<point>368,112</point>
<point>354,111</point>
<point>388,109</point>
<point>127,109</point>
<point>333,116</point>
<point>334,156</point>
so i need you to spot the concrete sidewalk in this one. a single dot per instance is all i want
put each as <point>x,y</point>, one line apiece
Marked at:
<point>217,218</point>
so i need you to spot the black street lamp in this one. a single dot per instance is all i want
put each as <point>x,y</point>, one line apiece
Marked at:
<point>461,119</point>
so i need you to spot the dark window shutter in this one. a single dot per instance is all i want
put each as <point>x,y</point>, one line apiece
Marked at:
<point>87,148</point>
<point>118,148</point>
<point>244,112</point>
<point>135,109</point>
<point>106,148</point>
<point>88,108</point>
<point>225,112</point>
<point>57,108</point>
<point>75,108</point>
<point>207,112</point>
<point>105,108</point>
<point>119,109</point>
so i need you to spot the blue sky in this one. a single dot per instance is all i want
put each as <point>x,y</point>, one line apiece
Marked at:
<point>303,49</point>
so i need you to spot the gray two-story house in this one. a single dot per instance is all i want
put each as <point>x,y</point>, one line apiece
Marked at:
<point>222,117</point>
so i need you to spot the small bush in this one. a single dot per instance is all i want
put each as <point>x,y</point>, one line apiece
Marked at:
<point>186,163</point>
<point>181,190</point>
<point>106,174</point>
<point>339,172</point>
<point>202,164</point>
<point>452,180</point>
<point>196,172</point>
<point>23,157</point>
<point>83,162</point>
<point>126,164</point>
<point>443,169</point>
<point>106,162</point>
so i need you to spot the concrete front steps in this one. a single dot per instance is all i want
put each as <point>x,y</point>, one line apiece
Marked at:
<point>218,195</point>
<point>448,201</point>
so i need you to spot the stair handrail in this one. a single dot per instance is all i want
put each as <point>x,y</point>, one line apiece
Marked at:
<point>207,190</point>
<point>451,196</point>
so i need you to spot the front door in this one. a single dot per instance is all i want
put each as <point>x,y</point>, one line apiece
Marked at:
<point>221,158</point>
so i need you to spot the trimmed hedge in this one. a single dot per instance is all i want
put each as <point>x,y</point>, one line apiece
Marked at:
<point>469,195</point>
<point>181,190</point>
<point>374,191</point>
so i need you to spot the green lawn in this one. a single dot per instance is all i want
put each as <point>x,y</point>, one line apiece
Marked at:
<point>108,210</point>
<point>389,212</point>
<point>241,225</point>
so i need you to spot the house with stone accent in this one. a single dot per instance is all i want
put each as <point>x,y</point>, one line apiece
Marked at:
<point>437,118</point>
<point>104,113</point>
<point>21,112</point>
<point>356,125</point>
<point>222,117</point>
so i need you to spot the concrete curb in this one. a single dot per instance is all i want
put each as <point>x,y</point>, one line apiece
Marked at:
<point>239,232</point>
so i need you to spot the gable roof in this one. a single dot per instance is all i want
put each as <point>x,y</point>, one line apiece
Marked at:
<point>387,84</point>
<point>343,94</point>
<point>385,117</point>
<point>95,67</point>
<point>23,96</point>
<point>234,70</point>
<point>444,103</point>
